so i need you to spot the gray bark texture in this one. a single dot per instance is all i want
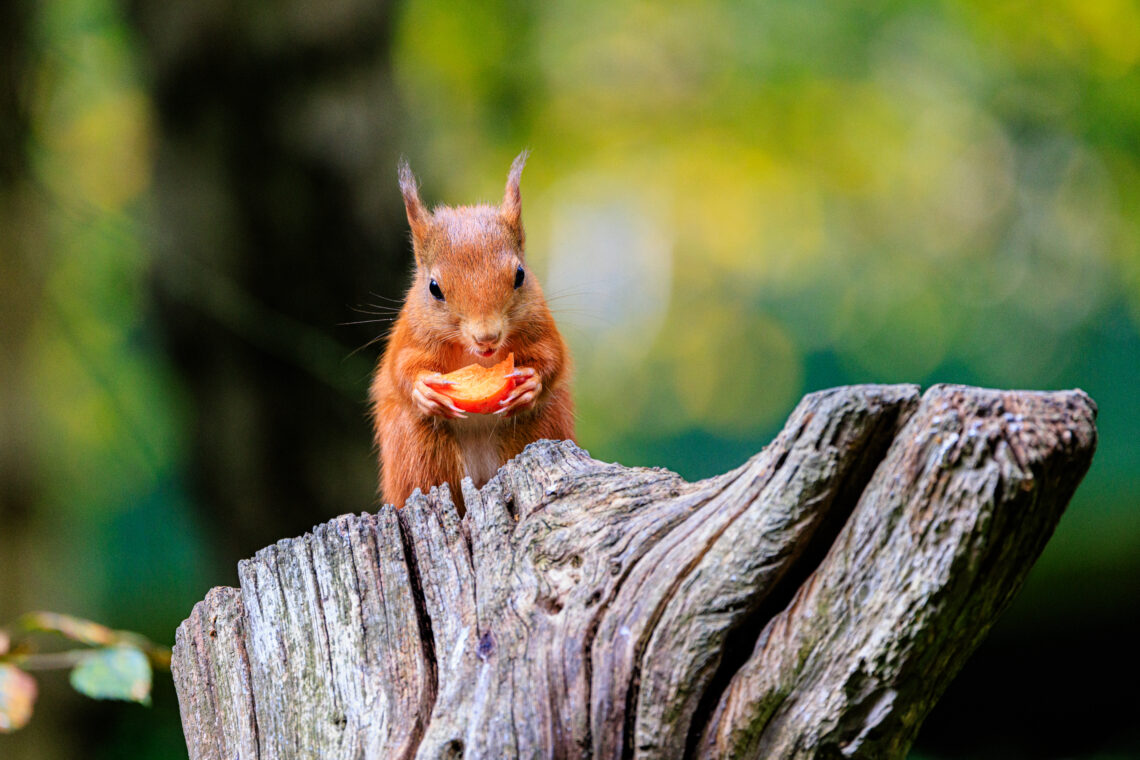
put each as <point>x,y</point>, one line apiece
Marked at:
<point>813,603</point>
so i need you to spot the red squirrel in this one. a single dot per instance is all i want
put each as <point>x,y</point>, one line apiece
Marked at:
<point>472,300</point>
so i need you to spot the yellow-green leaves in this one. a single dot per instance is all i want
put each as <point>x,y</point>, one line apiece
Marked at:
<point>76,629</point>
<point>118,664</point>
<point>120,672</point>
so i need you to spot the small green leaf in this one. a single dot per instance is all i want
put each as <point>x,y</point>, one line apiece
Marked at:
<point>120,672</point>
<point>17,696</point>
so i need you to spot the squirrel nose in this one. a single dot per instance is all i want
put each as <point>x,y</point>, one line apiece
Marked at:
<point>488,338</point>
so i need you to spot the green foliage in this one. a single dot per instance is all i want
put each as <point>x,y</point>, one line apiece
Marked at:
<point>118,666</point>
<point>120,672</point>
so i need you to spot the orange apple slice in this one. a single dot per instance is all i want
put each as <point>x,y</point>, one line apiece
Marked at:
<point>479,389</point>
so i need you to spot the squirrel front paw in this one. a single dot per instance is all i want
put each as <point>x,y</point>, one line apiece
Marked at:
<point>432,403</point>
<point>524,395</point>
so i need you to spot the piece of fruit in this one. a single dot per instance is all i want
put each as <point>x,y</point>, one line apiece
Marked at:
<point>479,389</point>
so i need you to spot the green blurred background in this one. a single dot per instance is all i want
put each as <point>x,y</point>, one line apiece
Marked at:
<point>729,204</point>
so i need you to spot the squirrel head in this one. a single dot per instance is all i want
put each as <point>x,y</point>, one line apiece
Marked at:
<point>471,283</point>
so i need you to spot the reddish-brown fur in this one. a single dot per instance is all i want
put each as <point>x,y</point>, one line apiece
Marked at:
<point>472,252</point>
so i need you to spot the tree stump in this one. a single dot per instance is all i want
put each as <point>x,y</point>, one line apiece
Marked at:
<point>814,602</point>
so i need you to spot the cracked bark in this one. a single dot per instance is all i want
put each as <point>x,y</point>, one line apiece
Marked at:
<point>814,602</point>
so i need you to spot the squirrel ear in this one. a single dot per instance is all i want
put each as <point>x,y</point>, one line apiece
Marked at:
<point>417,214</point>
<point>512,199</point>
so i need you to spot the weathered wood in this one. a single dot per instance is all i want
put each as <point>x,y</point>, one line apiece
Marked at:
<point>589,610</point>
<point>942,538</point>
<point>214,693</point>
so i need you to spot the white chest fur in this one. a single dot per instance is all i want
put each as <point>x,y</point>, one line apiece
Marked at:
<point>478,439</point>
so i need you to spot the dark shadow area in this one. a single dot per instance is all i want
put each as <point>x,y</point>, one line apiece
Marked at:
<point>278,222</point>
<point>1066,692</point>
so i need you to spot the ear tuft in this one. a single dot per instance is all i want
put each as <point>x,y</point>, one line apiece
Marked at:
<point>417,214</point>
<point>512,200</point>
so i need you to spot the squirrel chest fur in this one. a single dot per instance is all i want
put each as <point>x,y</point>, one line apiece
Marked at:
<point>472,300</point>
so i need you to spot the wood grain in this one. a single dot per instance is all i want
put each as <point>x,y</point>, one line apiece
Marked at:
<point>814,602</point>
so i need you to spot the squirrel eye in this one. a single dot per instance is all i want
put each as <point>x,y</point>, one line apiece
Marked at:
<point>436,293</point>
<point>519,276</point>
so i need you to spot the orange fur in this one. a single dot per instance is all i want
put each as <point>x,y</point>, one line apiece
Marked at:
<point>472,252</point>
